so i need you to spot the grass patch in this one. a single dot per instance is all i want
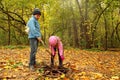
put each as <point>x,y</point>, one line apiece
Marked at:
<point>14,47</point>
<point>94,49</point>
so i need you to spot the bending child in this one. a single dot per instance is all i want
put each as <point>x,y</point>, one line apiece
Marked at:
<point>55,44</point>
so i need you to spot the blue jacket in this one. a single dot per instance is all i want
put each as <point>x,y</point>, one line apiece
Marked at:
<point>34,28</point>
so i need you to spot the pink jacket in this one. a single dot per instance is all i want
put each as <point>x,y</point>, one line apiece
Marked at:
<point>55,42</point>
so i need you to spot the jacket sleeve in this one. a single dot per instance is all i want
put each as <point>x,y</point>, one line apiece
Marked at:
<point>52,50</point>
<point>60,47</point>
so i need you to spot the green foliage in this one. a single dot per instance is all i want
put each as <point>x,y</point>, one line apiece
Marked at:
<point>94,50</point>
<point>17,65</point>
<point>41,70</point>
<point>61,17</point>
<point>15,47</point>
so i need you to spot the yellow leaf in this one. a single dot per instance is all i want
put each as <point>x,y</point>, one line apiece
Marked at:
<point>114,78</point>
<point>84,78</point>
<point>46,78</point>
<point>62,76</point>
<point>7,67</point>
<point>82,73</point>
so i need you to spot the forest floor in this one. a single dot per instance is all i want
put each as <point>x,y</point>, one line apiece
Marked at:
<point>78,65</point>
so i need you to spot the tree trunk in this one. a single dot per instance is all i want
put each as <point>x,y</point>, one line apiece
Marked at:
<point>118,37</point>
<point>81,22</point>
<point>86,26</point>
<point>112,35</point>
<point>106,33</point>
<point>44,37</point>
<point>76,41</point>
<point>69,34</point>
<point>9,31</point>
<point>96,20</point>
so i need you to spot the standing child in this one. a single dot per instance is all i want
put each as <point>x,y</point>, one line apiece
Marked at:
<point>56,45</point>
<point>34,35</point>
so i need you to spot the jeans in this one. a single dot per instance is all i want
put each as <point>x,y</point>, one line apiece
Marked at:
<point>34,47</point>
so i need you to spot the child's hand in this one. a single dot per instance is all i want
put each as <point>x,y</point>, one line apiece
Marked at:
<point>62,57</point>
<point>39,39</point>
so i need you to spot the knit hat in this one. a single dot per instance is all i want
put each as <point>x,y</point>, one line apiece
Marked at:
<point>36,11</point>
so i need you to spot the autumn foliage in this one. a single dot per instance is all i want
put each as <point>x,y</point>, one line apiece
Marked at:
<point>81,65</point>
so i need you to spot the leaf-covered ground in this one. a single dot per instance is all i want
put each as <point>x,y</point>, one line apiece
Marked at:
<point>82,64</point>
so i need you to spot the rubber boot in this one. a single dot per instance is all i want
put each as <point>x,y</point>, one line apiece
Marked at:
<point>52,61</point>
